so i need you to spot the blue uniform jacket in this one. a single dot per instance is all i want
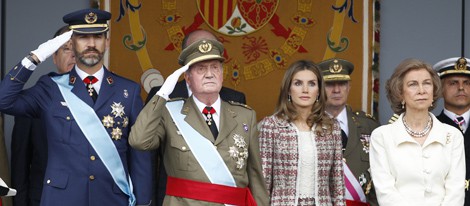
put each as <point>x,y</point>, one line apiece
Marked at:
<point>75,175</point>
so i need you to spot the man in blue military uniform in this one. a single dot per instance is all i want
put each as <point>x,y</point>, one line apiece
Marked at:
<point>455,78</point>
<point>87,113</point>
<point>29,142</point>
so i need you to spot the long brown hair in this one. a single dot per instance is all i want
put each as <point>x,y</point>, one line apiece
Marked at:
<point>285,108</point>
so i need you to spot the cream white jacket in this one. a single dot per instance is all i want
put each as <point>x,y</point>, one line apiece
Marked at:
<point>407,173</point>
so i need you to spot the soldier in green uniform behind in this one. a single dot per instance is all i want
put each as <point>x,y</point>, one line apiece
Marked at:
<point>356,129</point>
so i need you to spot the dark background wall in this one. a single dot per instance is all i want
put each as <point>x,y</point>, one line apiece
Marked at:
<point>27,25</point>
<point>425,29</point>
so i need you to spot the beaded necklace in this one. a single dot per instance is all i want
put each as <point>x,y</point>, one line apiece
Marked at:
<point>421,133</point>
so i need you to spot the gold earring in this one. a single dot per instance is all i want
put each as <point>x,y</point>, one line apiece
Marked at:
<point>288,98</point>
<point>403,104</point>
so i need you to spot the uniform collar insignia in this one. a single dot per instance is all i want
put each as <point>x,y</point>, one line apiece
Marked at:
<point>72,80</point>
<point>110,80</point>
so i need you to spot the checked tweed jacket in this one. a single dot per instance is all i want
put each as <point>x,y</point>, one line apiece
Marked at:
<point>279,157</point>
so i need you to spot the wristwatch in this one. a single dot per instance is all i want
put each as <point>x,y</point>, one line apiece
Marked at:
<point>30,58</point>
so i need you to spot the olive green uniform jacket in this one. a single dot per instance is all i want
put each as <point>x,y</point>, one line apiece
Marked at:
<point>155,128</point>
<point>356,154</point>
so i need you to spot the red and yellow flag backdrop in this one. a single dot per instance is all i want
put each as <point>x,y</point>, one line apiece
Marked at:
<point>261,37</point>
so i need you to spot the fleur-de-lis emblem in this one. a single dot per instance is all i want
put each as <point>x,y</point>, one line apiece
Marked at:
<point>91,18</point>
<point>205,47</point>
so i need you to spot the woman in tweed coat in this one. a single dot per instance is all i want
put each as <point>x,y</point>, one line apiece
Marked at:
<point>300,145</point>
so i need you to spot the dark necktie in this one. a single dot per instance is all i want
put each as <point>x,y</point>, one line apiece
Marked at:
<point>208,112</point>
<point>459,121</point>
<point>344,139</point>
<point>89,81</point>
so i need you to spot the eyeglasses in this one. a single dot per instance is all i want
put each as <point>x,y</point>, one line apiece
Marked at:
<point>215,69</point>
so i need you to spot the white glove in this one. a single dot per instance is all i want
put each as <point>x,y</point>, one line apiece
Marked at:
<point>47,48</point>
<point>170,82</point>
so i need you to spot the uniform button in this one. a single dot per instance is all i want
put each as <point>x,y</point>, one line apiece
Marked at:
<point>92,158</point>
<point>427,171</point>
<point>68,118</point>
<point>92,177</point>
<point>183,148</point>
<point>428,189</point>
<point>48,181</point>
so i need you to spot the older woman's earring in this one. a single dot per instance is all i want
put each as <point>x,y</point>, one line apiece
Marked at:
<point>403,104</point>
<point>432,104</point>
<point>288,98</point>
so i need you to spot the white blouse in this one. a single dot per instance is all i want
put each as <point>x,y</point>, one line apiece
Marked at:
<point>407,173</point>
<point>307,164</point>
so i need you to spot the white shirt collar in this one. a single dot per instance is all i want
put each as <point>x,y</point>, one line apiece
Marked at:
<point>99,75</point>
<point>343,120</point>
<point>216,106</point>
<point>465,116</point>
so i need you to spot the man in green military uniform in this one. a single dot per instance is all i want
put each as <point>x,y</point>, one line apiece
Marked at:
<point>356,128</point>
<point>211,149</point>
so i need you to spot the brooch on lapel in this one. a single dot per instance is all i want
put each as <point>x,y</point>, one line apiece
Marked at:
<point>239,151</point>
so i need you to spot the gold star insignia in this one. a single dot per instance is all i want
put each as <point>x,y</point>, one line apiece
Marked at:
<point>116,133</point>
<point>108,121</point>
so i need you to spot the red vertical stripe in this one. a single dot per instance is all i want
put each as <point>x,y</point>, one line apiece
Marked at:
<point>221,18</point>
<point>229,8</point>
<point>211,14</point>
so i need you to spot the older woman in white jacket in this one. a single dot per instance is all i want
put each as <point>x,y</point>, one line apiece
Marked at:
<point>417,160</point>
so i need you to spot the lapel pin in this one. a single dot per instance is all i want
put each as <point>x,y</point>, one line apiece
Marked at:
<point>126,94</point>
<point>245,127</point>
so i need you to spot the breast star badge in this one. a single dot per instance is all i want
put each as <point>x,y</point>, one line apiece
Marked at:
<point>116,133</point>
<point>125,122</point>
<point>108,121</point>
<point>118,109</point>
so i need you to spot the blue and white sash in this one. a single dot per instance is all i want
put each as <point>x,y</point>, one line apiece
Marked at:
<point>97,135</point>
<point>204,151</point>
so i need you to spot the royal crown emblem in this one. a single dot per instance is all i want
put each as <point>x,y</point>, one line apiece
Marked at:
<point>461,64</point>
<point>205,47</point>
<point>91,18</point>
<point>335,67</point>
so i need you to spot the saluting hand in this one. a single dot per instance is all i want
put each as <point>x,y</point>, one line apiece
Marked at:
<point>170,82</point>
<point>46,49</point>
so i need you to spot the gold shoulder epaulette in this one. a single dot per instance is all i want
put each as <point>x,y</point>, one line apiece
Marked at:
<point>240,104</point>
<point>363,114</point>
<point>176,99</point>
<point>393,118</point>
